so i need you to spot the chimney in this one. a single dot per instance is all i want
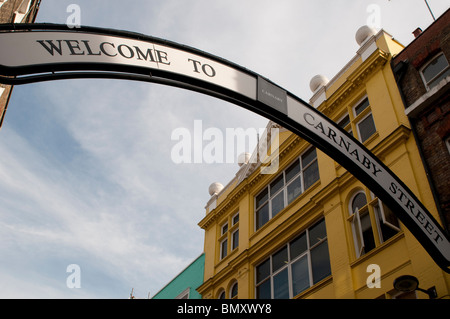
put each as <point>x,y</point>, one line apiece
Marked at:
<point>417,32</point>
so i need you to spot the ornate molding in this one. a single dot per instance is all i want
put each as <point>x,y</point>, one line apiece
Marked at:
<point>358,77</point>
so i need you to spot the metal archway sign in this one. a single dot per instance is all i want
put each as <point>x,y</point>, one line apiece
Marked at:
<point>43,52</point>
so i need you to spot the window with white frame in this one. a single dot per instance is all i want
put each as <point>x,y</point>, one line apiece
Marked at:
<point>363,118</point>
<point>234,291</point>
<point>300,264</point>
<point>345,123</point>
<point>435,70</point>
<point>229,234</point>
<point>358,118</point>
<point>223,240</point>
<point>286,187</point>
<point>367,236</point>
<point>234,232</point>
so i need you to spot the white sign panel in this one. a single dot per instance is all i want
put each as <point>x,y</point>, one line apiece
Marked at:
<point>27,49</point>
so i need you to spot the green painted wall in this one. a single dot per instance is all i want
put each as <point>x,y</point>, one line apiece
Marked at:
<point>191,277</point>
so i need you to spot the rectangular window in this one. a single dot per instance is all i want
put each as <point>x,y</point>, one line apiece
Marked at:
<point>297,266</point>
<point>224,228</point>
<point>286,187</point>
<point>364,120</point>
<point>366,235</point>
<point>229,234</point>
<point>386,221</point>
<point>435,71</point>
<point>235,219</point>
<point>344,122</point>
<point>366,128</point>
<point>223,248</point>
<point>235,239</point>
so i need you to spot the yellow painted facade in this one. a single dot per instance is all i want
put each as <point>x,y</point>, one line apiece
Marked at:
<point>266,260</point>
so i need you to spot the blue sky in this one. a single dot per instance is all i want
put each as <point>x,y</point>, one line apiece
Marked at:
<point>86,175</point>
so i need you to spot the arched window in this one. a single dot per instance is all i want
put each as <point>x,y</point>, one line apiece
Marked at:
<point>366,234</point>
<point>234,291</point>
<point>221,294</point>
<point>361,225</point>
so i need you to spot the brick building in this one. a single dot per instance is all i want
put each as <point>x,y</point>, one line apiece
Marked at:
<point>14,11</point>
<point>422,72</point>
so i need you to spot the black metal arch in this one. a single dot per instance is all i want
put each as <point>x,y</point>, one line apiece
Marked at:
<point>270,101</point>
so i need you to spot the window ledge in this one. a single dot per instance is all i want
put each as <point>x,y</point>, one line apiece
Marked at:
<point>228,257</point>
<point>428,98</point>
<point>317,286</point>
<point>378,249</point>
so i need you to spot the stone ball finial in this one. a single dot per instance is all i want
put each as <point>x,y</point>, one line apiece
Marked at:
<point>364,33</point>
<point>317,81</point>
<point>215,188</point>
<point>243,158</point>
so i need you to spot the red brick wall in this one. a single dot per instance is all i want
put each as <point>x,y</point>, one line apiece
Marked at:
<point>433,123</point>
<point>433,127</point>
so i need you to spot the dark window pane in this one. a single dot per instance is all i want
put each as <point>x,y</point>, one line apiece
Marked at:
<point>224,228</point>
<point>366,128</point>
<point>300,275</point>
<point>279,259</point>
<point>235,239</point>
<point>389,224</point>
<point>281,285</point>
<point>276,185</point>
<point>344,122</point>
<point>277,203</point>
<point>358,202</point>
<point>366,228</point>
<point>317,233</point>
<point>294,189</point>
<point>308,156</point>
<point>263,270</point>
<point>435,67</point>
<point>234,291</point>
<point>223,249</point>
<point>439,78</point>
<point>262,216</point>
<point>320,262</point>
<point>263,290</point>
<point>292,170</point>
<point>361,106</point>
<point>298,246</point>
<point>311,175</point>
<point>261,198</point>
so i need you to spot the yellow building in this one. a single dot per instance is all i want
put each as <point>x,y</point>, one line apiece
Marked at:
<point>311,229</point>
